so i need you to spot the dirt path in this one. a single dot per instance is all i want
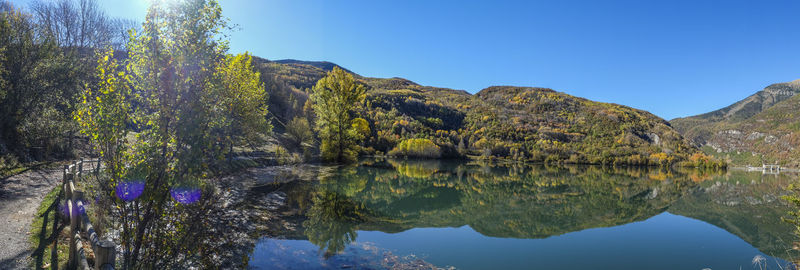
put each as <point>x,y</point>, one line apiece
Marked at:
<point>20,196</point>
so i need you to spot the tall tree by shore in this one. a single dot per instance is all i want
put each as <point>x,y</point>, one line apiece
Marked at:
<point>335,100</point>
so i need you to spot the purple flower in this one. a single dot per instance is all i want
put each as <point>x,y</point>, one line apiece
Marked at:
<point>129,191</point>
<point>186,195</point>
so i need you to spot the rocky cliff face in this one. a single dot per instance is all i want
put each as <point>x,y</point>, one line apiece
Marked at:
<point>764,127</point>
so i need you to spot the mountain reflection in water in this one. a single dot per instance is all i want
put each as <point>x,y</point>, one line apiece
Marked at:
<point>390,200</point>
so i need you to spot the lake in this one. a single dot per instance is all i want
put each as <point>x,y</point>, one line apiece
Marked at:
<point>402,214</point>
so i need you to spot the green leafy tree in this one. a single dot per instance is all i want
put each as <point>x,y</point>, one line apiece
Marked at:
<point>38,87</point>
<point>335,100</point>
<point>193,102</point>
<point>46,59</point>
<point>244,99</point>
<point>104,113</point>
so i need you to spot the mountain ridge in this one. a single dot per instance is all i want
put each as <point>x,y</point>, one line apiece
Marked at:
<point>511,122</point>
<point>758,101</point>
<point>761,128</point>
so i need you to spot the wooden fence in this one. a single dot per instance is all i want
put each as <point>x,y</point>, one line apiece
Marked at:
<point>104,250</point>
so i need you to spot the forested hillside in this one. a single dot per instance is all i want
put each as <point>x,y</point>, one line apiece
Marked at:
<point>764,127</point>
<point>521,123</point>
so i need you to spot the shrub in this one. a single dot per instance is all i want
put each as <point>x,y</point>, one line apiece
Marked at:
<point>299,131</point>
<point>282,156</point>
<point>422,148</point>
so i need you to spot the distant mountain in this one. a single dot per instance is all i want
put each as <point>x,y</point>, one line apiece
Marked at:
<point>764,127</point>
<point>524,123</point>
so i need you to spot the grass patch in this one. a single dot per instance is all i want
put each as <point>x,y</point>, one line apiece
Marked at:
<point>21,168</point>
<point>12,171</point>
<point>48,234</point>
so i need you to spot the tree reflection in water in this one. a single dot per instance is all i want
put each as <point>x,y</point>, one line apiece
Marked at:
<point>332,221</point>
<point>511,201</point>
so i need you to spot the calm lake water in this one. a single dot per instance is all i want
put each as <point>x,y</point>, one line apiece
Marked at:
<point>428,214</point>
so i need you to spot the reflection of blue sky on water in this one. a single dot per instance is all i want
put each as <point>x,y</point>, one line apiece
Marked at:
<point>665,241</point>
<point>299,254</point>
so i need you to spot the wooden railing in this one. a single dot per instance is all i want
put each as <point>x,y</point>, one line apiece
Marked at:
<point>104,250</point>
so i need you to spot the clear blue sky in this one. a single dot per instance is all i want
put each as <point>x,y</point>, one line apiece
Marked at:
<point>673,58</point>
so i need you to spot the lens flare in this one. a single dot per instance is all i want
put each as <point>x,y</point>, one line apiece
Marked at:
<point>186,195</point>
<point>129,191</point>
<point>76,210</point>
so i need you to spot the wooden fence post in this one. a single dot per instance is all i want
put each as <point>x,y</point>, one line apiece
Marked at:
<point>104,250</point>
<point>64,174</point>
<point>64,183</point>
<point>77,196</point>
<point>80,170</point>
<point>64,188</point>
<point>73,258</point>
<point>80,253</point>
<point>73,219</point>
<point>67,189</point>
<point>105,255</point>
